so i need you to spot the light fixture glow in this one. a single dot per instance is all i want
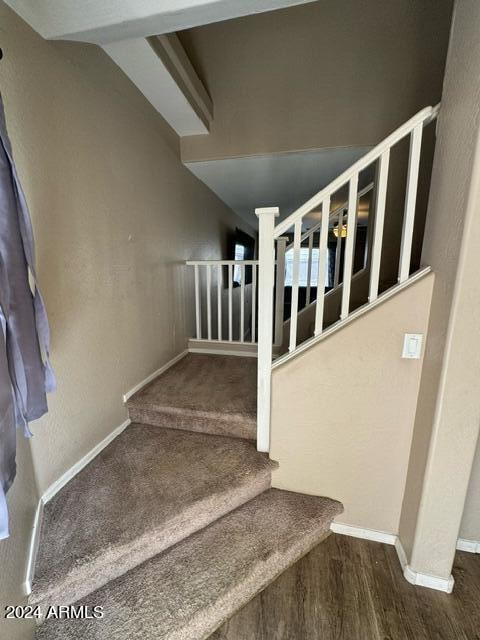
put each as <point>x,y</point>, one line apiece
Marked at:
<point>344,231</point>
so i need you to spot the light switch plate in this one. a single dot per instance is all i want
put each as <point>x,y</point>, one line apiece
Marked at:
<point>412,346</point>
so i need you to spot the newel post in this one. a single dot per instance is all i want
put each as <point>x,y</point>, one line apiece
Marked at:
<point>266,279</point>
<point>280,290</point>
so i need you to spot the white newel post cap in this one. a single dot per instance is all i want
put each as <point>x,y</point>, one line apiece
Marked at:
<point>275,211</point>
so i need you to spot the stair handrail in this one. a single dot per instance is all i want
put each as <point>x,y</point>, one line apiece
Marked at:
<point>422,117</point>
<point>343,207</point>
<point>269,233</point>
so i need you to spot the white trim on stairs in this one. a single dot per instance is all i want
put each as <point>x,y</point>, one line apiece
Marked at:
<point>154,375</point>
<point>54,489</point>
<point>392,291</point>
<point>33,548</point>
<point>76,468</point>
<point>472,546</point>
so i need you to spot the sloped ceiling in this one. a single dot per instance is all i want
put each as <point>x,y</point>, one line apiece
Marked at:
<point>104,21</point>
<point>283,180</point>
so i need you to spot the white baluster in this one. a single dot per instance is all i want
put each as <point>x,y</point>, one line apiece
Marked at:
<point>338,252</point>
<point>295,277</point>
<point>209,301</point>
<point>410,200</point>
<point>379,220</point>
<point>322,264</point>
<point>242,302</point>
<point>350,245</point>
<point>280,290</point>
<point>230,305</point>
<point>254,299</point>
<point>197,304</point>
<point>219,301</point>
<point>266,278</point>
<point>309,269</point>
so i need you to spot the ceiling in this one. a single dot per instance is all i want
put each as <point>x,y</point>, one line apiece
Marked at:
<point>137,35</point>
<point>104,21</point>
<point>282,180</point>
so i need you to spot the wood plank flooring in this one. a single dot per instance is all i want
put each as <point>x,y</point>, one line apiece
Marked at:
<point>350,589</point>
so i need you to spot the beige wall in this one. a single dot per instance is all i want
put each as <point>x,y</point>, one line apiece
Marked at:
<point>22,500</point>
<point>115,215</point>
<point>470,527</point>
<point>448,413</point>
<point>343,412</point>
<point>325,74</point>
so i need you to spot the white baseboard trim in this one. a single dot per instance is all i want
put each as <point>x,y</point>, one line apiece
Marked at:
<point>223,352</point>
<point>33,548</point>
<point>78,466</point>
<point>427,580</point>
<point>365,534</point>
<point>222,347</point>
<point>472,546</point>
<point>422,579</point>
<point>402,556</point>
<point>412,576</point>
<point>55,488</point>
<point>154,375</point>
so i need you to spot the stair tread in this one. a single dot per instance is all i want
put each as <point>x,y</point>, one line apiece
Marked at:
<point>189,590</point>
<point>147,490</point>
<point>208,393</point>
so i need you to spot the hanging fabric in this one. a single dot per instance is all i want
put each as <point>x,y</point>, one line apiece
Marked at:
<point>25,371</point>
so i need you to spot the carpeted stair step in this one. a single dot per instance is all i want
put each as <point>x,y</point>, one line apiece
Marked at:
<point>147,490</point>
<point>188,591</point>
<point>208,393</point>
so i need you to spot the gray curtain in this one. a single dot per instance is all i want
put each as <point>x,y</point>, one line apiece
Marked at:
<point>25,372</point>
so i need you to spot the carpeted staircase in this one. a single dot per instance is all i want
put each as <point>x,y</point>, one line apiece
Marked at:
<point>211,394</point>
<point>170,528</point>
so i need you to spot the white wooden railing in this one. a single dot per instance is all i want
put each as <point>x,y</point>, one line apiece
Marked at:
<point>269,235</point>
<point>218,316</point>
<point>338,216</point>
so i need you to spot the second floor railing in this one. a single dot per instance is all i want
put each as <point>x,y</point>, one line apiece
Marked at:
<point>225,300</point>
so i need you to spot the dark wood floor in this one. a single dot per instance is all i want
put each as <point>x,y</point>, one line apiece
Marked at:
<point>350,589</point>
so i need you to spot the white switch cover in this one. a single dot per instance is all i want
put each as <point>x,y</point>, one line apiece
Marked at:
<point>412,346</point>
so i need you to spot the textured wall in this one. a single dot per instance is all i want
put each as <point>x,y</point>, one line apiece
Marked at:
<point>325,74</point>
<point>343,412</point>
<point>115,214</point>
<point>448,412</point>
<point>22,501</point>
<point>470,528</point>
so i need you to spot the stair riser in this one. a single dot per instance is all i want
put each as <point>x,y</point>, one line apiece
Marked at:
<point>213,424</point>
